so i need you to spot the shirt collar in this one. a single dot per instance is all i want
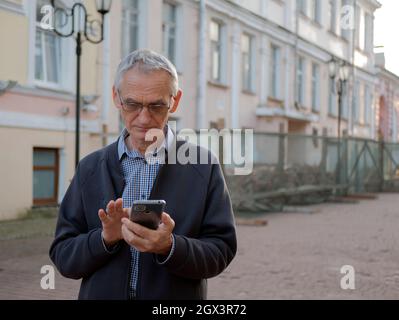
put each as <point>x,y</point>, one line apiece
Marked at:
<point>123,149</point>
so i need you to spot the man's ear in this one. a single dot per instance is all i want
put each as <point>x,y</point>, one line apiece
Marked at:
<point>176,101</point>
<point>115,98</point>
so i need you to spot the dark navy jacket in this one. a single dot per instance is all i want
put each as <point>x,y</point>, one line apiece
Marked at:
<point>196,198</point>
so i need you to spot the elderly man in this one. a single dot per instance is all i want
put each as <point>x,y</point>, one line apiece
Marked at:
<point>97,242</point>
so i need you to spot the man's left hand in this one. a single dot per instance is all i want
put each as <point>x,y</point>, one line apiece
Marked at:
<point>146,240</point>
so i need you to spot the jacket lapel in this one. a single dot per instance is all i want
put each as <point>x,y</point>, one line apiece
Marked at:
<point>113,179</point>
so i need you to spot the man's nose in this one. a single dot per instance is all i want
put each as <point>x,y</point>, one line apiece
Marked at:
<point>144,115</point>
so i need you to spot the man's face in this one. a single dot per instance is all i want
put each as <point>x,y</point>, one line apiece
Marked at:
<point>152,90</point>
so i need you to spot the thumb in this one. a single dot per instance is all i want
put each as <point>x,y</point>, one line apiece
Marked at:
<point>126,212</point>
<point>167,221</point>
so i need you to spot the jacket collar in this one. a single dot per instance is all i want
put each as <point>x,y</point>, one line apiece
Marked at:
<point>114,168</point>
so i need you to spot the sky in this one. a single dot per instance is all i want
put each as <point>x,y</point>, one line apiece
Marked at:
<point>386,33</point>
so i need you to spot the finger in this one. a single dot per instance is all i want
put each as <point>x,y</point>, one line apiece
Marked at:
<point>102,215</point>
<point>111,208</point>
<point>142,245</point>
<point>134,240</point>
<point>138,229</point>
<point>127,234</point>
<point>126,212</point>
<point>119,205</point>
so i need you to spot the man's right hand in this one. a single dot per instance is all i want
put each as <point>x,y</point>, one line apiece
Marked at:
<point>111,221</point>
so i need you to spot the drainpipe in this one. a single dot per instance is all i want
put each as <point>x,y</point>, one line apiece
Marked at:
<point>235,78</point>
<point>201,78</point>
<point>106,81</point>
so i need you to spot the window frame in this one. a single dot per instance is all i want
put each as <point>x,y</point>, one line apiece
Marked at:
<point>126,23</point>
<point>248,85</point>
<point>55,169</point>
<point>316,87</point>
<point>316,10</point>
<point>356,101</point>
<point>332,98</point>
<point>302,6</point>
<point>333,16</point>
<point>300,92</point>
<point>166,33</point>
<point>63,56</point>
<point>367,104</point>
<point>221,45</point>
<point>45,60</point>
<point>275,71</point>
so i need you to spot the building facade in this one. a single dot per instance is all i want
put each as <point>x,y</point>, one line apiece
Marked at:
<point>387,102</point>
<point>260,64</point>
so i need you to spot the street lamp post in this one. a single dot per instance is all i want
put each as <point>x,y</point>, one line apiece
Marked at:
<point>339,73</point>
<point>75,22</point>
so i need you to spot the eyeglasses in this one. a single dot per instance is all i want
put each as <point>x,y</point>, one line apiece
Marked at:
<point>155,109</point>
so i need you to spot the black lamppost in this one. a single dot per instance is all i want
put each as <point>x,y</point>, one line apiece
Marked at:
<point>74,22</point>
<point>339,73</point>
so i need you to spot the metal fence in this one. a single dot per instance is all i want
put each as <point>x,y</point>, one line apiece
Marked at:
<point>302,169</point>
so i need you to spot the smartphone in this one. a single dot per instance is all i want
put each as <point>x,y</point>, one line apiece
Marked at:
<point>147,212</point>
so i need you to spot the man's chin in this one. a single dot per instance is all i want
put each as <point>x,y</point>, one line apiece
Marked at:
<point>140,135</point>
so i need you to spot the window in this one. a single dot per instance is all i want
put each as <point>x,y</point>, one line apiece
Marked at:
<point>216,50</point>
<point>316,10</point>
<point>368,39</point>
<point>301,5</point>
<point>333,15</point>
<point>357,25</point>
<point>247,62</point>
<point>356,102</point>
<point>169,27</point>
<point>345,104</point>
<point>332,98</point>
<point>395,126</point>
<point>315,87</point>
<point>361,28</point>
<point>275,72</point>
<point>367,105</point>
<point>130,26</point>
<point>45,176</point>
<point>300,90</point>
<point>48,51</point>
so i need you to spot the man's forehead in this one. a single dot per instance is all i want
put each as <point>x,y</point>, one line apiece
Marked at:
<point>138,72</point>
<point>155,81</point>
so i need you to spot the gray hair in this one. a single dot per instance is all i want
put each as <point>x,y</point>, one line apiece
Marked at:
<point>147,61</point>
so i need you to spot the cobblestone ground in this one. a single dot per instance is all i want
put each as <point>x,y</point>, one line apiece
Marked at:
<point>295,256</point>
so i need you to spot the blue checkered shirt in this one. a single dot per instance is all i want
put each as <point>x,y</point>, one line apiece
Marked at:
<point>139,173</point>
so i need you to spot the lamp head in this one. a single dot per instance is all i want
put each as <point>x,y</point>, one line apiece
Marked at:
<point>103,6</point>
<point>332,68</point>
<point>344,71</point>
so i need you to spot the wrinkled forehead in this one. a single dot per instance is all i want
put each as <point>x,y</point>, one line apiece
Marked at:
<point>139,83</point>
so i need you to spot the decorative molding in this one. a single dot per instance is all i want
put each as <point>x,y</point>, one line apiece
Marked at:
<point>314,52</point>
<point>292,114</point>
<point>30,121</point>
<point>13,6</point>
<point>41,92</point>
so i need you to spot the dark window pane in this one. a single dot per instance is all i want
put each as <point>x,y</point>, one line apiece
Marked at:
<point>44,158</point>
<point>43,184</point>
